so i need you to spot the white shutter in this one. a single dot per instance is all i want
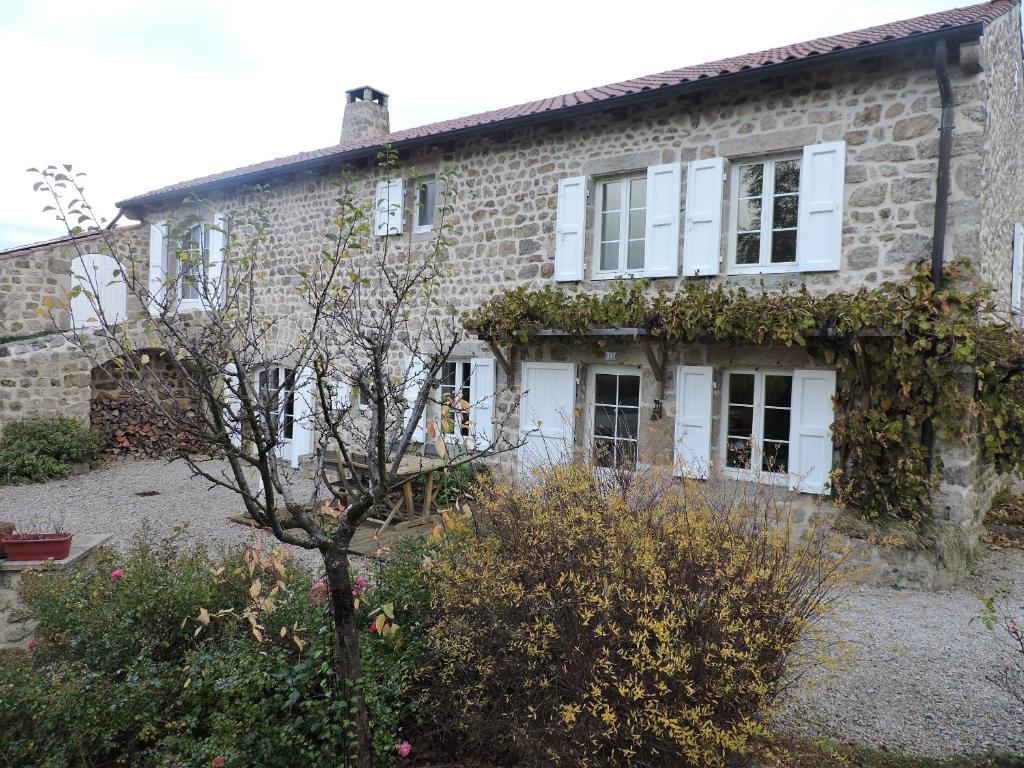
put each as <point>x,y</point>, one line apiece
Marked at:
<point>303,419</point>
<point>547,413</point>
<point>661,250</point>
<point>215,266</point>
<point>98,274</point>
<point>819,235</point>
<point>694,388</point>
<point>390,207</point>
<point>1015,268</point>
<point>570,225</point>
<point>415,373</point>
<point>702,241</point>
<point>341,395</point>
<point>157,266</point>
<point>232,408</point>
<point>810,438</point>
<point>481,403</point>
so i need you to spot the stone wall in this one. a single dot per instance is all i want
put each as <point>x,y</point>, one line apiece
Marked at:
<point>43,378</point>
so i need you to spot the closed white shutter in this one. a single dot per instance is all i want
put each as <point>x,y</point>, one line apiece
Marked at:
<point>661,251</point>
<point>415,373</point>
<point>819,235</point>
<point>304,421</point>
<point>157,266</point>
<point>390,207</point>
<point>810,438</point>
<point>232,407</point>
<point>341,395</point>
<point>694,388</point>
<point>570,225</point>
<point>547,413</point>
<point>481,403</point>
<point>1016,268</point>
<point>215,266</point>
<point>702,240</point>
<point>98,274</point>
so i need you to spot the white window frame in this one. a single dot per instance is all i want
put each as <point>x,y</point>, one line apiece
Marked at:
<point>757,427</point>
<point>615,370</point>
<point>461,374</point>
<point>608,274</point>
<point>284,445</point>
<point>764,266</point>
<point>417,227</point>
<point>175,249</point>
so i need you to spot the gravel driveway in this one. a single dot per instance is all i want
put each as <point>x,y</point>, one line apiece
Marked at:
<point>916,664</point>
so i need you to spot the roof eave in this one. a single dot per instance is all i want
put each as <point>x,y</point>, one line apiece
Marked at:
<point>956,34</point>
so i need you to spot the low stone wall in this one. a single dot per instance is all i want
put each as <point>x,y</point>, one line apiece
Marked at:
<point>43,378</point>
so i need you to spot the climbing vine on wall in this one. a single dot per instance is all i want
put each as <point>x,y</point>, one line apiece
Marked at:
<point>905,352</point>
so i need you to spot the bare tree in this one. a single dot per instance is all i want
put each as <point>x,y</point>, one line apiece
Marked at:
<point>264,358</point>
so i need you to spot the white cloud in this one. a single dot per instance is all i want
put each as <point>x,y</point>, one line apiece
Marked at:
<point>140,94</point>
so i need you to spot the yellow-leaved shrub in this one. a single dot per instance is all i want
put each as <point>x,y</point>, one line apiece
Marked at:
<point>592,622</point>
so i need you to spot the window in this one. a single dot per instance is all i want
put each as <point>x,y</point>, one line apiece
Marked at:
<point>426,202</point>
<point>616,416</point>
<point>758,413</point>
<point>454,397</point>
<point>277,395</point>
<point>621,225</point>
<point>765,200</point>
<point>193,259</point>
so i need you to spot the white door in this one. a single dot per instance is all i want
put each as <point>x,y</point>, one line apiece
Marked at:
<point>547,414</point>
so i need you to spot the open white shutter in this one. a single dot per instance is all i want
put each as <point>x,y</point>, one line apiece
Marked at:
<point>232,407</point>
<point>481,399</point>
<point>157,266</point>
<point>810,438</point>
<point>390,207</point>
<point>303,422</point>
<point>215,266</point>
<point>694,388</point>
<point>661,253</point>
<point>416,374</point>
<point>819,234</point>
<point>570,225</point>
<point>702,241</point>
<point>341,395</point>
<point>1016,267</point>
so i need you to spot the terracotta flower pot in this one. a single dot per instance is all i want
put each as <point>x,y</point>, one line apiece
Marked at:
<point>36,546</point>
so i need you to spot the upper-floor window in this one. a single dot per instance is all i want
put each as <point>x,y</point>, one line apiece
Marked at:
<point>426,202</point>
<point>621,225</point>
<point>193,260</point>
<point>765,201</point>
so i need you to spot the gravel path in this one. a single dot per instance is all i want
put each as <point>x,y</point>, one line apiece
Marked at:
<point>915,662</point>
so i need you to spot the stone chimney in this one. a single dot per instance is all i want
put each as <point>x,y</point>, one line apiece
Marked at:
<point>366,115</point>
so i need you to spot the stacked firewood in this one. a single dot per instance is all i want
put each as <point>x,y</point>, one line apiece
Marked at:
<point>128,428</point>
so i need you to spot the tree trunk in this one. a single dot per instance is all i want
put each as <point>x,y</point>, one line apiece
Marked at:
<point>346,635</point>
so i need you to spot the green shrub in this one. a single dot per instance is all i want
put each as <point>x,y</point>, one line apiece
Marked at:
<point>39,450</point>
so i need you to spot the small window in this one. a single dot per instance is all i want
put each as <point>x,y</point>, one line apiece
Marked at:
<point>616,418</point>
<point>192,259</point>
<point>454,400</point>
<point>758,413</point>
<point>621,225</point>
<point>765,199</point>
<point>426,202</point>
<point>277,395</point>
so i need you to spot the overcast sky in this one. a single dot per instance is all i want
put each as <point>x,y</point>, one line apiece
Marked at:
<point>140,93</point>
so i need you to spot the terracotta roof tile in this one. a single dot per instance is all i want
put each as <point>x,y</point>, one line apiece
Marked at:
<point>933,22</point>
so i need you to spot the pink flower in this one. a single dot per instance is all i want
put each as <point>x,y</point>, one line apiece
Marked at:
<point>116,574</point>
<point>218,761</point>
<point>357,592</point>
<point>362,583</point>
<point>319,591</point>
<point>372,627</point>
<point>404,749</point>
<point>32,644</point>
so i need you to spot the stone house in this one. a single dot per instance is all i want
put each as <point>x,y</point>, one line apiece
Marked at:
<point>819,164</point>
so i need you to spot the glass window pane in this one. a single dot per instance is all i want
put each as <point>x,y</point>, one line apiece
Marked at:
<point>741,388</point>
<point>427,201</point>
<point>785,212</point>
<point>604,452</point>
<point>629,423</point>
<point>605,388</point>
<point>604,421</point>
<point>611,196</point>
<point>778,390</point>
<point>787,176</point>
<point>784,247</point>
<point>629,390</point>
<point>448,374</point>
<point>637,222</point>
<point>635,255</point>
<point>625,453</point>
<point>751,179</point>
<point>741,420</point>
<point>776,423</point>
<point>610,227</point>
<point>737,453</point>
<point>748,248</point>
<point>749,215</point>
<point>775,457</point>
<point>610,256</point>
<point>638,193</point>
